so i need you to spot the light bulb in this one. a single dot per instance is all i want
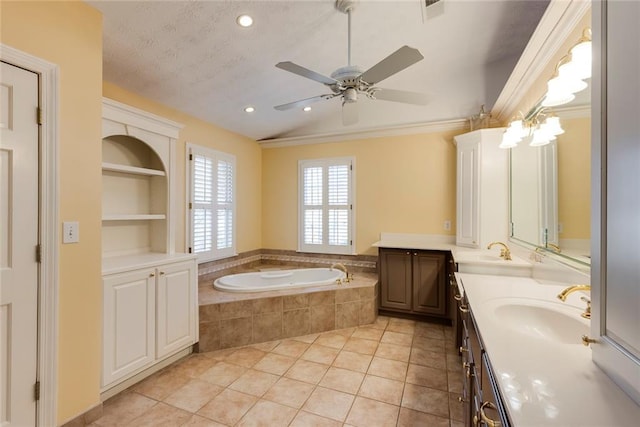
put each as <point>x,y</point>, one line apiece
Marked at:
<point>552,125</point>
<point>244,20</point>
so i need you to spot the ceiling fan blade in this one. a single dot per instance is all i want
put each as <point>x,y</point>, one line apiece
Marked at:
<point>397,61</point>
<point>349,113</point>
<point>302,102</point>
<point>305,72</point>
<point>401,96</point>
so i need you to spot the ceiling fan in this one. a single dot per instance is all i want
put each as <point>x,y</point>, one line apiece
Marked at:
<point>349,82</point>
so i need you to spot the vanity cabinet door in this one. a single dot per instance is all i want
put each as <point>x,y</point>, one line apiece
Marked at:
<point>128,322</point>
<point>395,279</point>
<point>429,283</point>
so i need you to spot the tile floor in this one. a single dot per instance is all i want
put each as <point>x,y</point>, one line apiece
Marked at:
<point>393,372</point>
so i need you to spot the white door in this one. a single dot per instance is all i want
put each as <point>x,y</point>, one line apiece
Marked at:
<point>177,307</point>
<point>18,241</point>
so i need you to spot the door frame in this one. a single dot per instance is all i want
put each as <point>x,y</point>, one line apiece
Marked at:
<point>48,231</point>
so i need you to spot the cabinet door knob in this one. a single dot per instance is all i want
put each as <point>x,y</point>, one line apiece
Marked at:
<point>415,254</point>
<point>152,275</point>
<point>408,253</point>
<point>162,273</point>
<point>488,421</point>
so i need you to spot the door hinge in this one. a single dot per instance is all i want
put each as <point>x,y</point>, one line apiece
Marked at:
<point>190,205</point>
<point>38,253</point>
<point>39,115</point>
<point>190,156</point>
<point>350,242</point>
<point>36,390</point>
<point>190,250</point>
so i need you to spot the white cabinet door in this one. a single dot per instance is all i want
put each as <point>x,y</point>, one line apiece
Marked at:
<point>129,323</point>
<point>177,307</point>
<point>467,224</point>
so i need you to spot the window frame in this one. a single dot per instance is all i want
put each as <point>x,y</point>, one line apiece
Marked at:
<point>325,248</point>
<point>216,155</point>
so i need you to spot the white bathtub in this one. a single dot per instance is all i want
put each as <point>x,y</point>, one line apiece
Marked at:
<point>278,279</point>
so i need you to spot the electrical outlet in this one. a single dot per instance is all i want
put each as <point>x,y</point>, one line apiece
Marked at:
<point>70,232</point>
<point>447,225</point>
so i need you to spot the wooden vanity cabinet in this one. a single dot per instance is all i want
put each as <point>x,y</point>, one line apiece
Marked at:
<point>414,281</point>
<point>483,405</point>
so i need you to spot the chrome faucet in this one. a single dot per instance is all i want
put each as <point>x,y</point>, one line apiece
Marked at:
<point>340,266</point>
<point>505,252</point>
<point>562,296</point>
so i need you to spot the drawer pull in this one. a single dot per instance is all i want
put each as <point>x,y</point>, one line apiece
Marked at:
<point>463,349</point>
<point>457,297</point>
<point>464,309</point>
<point>475,420</point>
<point>488,421</point>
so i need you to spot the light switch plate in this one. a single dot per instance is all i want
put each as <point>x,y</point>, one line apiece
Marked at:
<point>70,232</point>
<point>447,225</point>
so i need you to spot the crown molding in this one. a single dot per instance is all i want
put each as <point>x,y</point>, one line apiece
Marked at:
<point>123,113</point>
<point>573,112</point>
<point>556,24</point>
<point>412,129</point>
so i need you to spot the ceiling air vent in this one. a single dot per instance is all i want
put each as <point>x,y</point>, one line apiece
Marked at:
<point>431,9</point>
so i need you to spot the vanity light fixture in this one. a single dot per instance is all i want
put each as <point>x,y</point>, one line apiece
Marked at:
<point>539,128</point>
<point>249,109</point>
<point>244,21</point>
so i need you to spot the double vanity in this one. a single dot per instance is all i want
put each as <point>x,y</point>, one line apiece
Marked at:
<point>525,354</point>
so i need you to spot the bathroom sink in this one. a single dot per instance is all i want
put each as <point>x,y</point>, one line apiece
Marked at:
<point>540,319</point>
<point>489,262</point>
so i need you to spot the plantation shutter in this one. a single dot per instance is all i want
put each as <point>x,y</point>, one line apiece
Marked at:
<point>326,206</point>
<point>212,218</point>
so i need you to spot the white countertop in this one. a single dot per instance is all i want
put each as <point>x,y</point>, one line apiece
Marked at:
<point>120,264</point>
<point>544,382</point>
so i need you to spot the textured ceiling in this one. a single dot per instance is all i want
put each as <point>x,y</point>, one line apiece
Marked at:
<point>192,56</point>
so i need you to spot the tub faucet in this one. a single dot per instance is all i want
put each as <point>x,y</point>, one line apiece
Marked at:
<point>339,266</point>
<point>505,252</point>
<point>562,296</point>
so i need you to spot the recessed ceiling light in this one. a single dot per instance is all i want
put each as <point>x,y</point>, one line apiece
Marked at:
<point>244,20</point>
<point>307,108</point>
<point>249,109</point>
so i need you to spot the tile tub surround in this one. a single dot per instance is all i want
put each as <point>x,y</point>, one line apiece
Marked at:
<point>231,319</point>
<point>351,377</point>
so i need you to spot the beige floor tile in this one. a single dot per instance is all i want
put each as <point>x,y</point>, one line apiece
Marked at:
<point>362,346</point>
<point>255,383</point>
<point>194,365</point>
<point>429,344</point>
<point>410,418</point>
<point>429,332</point>
<point>219,355</point>
<point>329,403</point>
<point>332,340</point>
<point>368,333</point>
<point>161,415</point>
<point>342,380</point>
<point>162,384</point>
<point>274,363</point>
<point>430,358</point>
<point>427,377</point>
<point>124,407</point>
<point>309,372</point>
<point>382,389</point>
<point>198,421</point>
<point>381,322</point>
<point>320,354</point>
<point>267,414</point>
<point>245,356</point>
<point>345,332</point>
<point>307,419</point>
<point>309,339</point>
<point>291,348</point>
<point>223,374</point>
<point>386,368</point>
<point>393,352</point>
<point>266,346</point>
<point>352,361</point>
<point>401,321</point>
<point>424,399</point>
<point>228,407</point>
<point>289,392</point>
<point>193,395</point>
<point>371,413</point>
<point>396,338</point>
<point>401,327</point>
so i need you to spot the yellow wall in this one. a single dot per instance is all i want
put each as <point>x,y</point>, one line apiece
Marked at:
<point>69,34</point>
<point>574,178</point>
<point>404,184</point>
<point>248,162</point>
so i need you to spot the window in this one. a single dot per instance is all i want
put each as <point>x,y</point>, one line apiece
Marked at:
<point>211,203</point>
<point>326,206</point>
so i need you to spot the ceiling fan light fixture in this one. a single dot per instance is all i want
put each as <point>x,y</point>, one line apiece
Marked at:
<point>249,109</point>
<point>244,21</point>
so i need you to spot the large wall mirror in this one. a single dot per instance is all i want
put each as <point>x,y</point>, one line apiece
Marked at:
<point>550,183</point>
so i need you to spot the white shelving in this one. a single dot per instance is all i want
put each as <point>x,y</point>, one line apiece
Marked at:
<point>133,217</point>
<point>134,170</point>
